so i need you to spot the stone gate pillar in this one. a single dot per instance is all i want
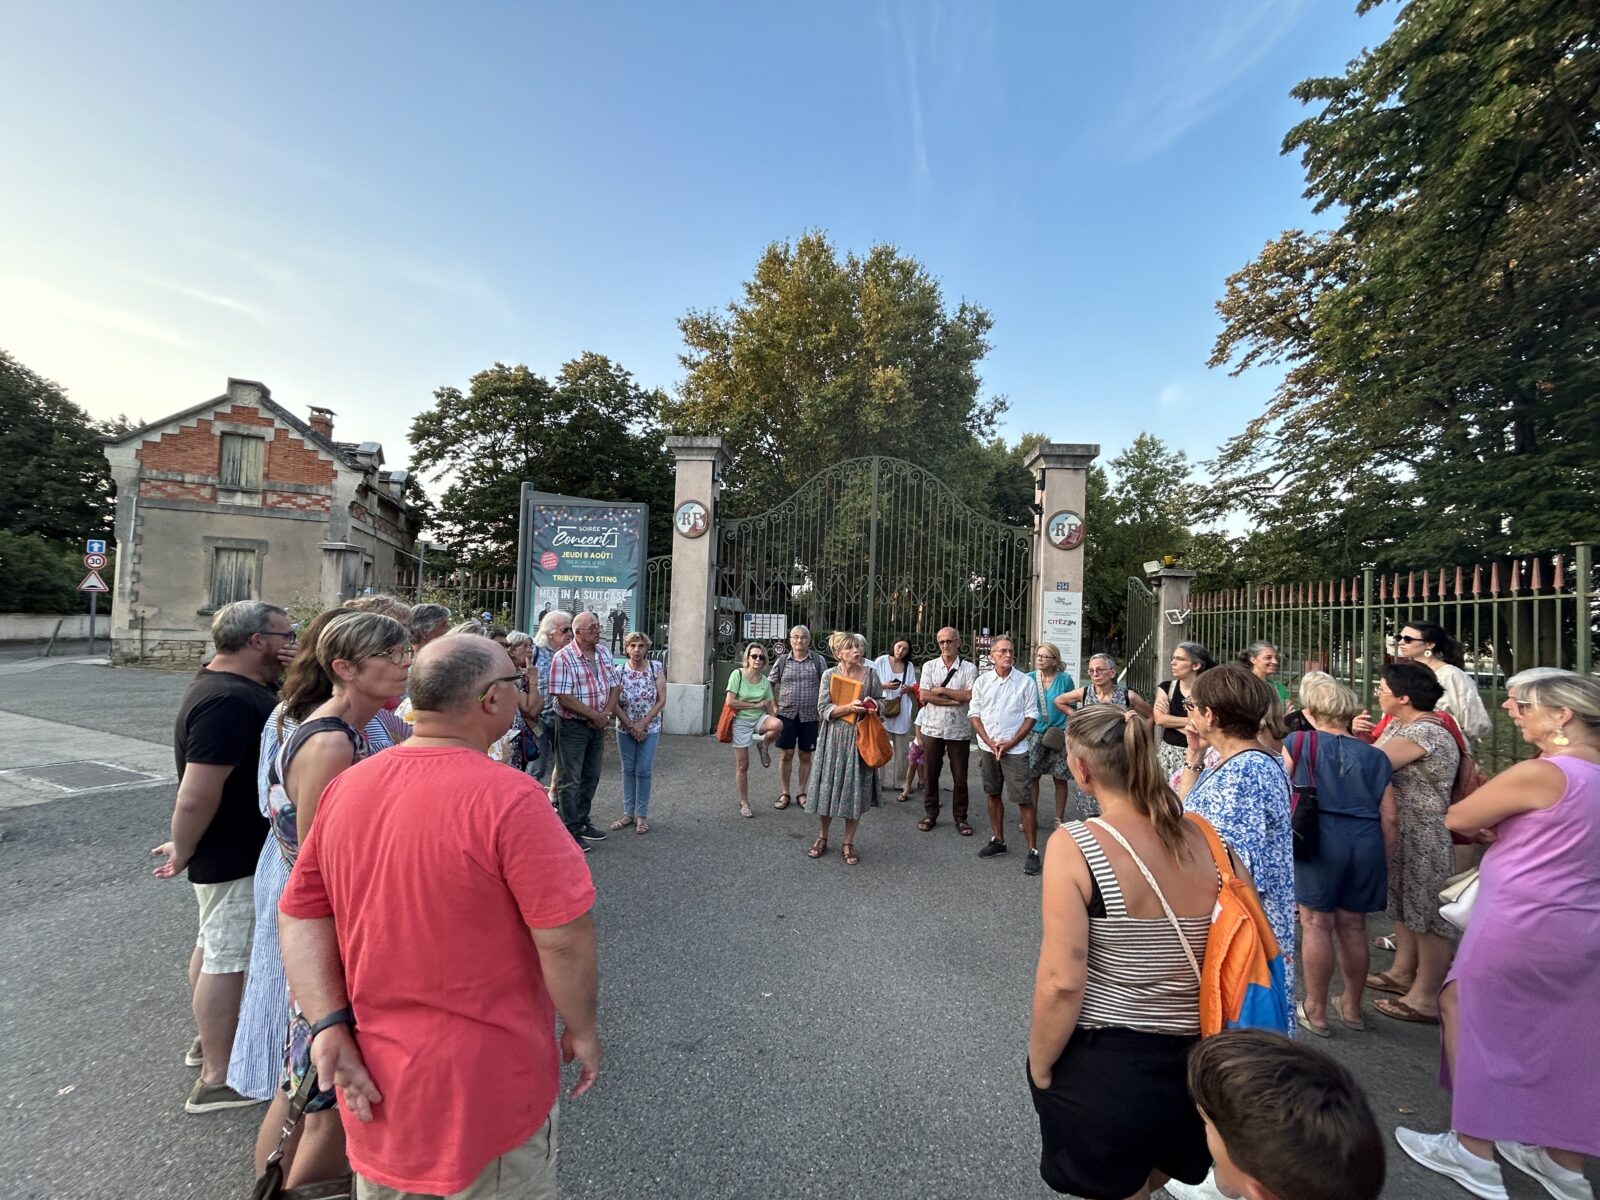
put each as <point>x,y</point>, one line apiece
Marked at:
<point>1172,613</point>
<point>700,462</point>
<point>1061,483</point>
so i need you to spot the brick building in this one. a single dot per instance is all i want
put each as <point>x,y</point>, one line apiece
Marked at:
<point>239,499</point>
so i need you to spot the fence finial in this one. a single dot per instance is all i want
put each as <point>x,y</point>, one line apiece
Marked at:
<point>1561,572</point>
<point>1537,583</point>
<point>1494,578</point>
<point>1477,579</point>
<point>1516,575</point>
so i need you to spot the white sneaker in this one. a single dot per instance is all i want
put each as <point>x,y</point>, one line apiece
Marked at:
<point>1205,1190</point>
<point>1536,1161</point>
<point>1444,1153</point>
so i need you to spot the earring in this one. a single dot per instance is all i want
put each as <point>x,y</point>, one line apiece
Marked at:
<point>1427,654</point>
<point>1559,737</point>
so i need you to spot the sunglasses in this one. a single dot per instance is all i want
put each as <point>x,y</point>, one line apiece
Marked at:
<point>1407,639</point>
<point>484,695</point>
<point>758,658</point>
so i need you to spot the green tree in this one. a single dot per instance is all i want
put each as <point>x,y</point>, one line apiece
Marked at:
<point>1138,511</point>
<point>1441,389</point>
<point>824,359</point>
<point>54,479</point>
<point>38,575</point>
<point>592,431</point>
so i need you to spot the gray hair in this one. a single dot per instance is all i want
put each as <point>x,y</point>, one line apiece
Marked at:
<point>517,638</point>
<point>235,624</point>
<point>549,621</point>
<point>1248,656</point>
<point>1105,658</point>
<point>805,629</point>
<point>426,616</point>
<point>1322,694</point>
<point>473,628</point>
<point>638,635</point>
<point>1580,693</point>
<point>389,606</point>
<point>1523,678</point>
<point>1198,655</point>
<point>449,672</point>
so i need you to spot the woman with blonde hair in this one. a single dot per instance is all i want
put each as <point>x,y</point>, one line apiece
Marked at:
<point>755,718</point>
<point>1521,1002</point>
<point>1346,877</point>
<point>1049,681</point>
<point>1127,905</point>
<point>358,661</point>
<point>842,785</point>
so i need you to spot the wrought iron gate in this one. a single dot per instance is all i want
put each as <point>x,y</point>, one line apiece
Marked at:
<point>1141,668</point>
<point>881,547</point>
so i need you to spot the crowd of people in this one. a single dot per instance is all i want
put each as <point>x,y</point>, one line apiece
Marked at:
<point>353,834</point>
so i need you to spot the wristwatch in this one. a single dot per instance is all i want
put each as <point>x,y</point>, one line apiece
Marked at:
<point>339,1016</point>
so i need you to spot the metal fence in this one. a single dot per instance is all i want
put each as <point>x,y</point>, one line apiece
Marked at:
<point>467,594</point>
<point>1509,614</point>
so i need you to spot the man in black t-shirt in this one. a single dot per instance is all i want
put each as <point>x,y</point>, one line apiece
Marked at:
<point>217,826</point>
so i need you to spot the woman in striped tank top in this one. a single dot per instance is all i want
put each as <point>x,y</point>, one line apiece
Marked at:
<point>1116,1005</point>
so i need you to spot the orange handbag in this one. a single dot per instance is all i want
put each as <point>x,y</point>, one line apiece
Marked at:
<point>872,741</point>
<point>725,724</point>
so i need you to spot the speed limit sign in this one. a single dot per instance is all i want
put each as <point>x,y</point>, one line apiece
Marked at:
<point>94,561</point>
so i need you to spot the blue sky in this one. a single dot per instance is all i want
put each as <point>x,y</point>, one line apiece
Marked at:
<point>357,203</point>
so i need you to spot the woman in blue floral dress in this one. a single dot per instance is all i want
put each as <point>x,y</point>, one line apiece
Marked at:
<point>1246,794</point>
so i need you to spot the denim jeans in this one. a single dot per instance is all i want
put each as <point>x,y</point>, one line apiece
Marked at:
<point>580,749</point>
<point>546,735</point>
<point>637,759</point>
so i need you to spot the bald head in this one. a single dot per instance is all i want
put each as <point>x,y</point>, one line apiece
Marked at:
<point>449,673</point>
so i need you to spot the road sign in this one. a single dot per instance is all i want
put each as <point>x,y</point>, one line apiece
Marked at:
<point>94,546</point>
<point>94,562</point>
<point>93,583</point>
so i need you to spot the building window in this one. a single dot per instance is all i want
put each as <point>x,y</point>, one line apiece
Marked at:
<point>233,575</point>
<point>242,457</point>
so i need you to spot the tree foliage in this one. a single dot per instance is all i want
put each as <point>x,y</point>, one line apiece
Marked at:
<point>824,359</point>
<point>54,479</point>
<point>1441,390</point>
<point>592,431</point>
<point>1137,511</point>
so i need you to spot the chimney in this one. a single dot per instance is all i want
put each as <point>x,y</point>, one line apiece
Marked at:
<point>322,421</point>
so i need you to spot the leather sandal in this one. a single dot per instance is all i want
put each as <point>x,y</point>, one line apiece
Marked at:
<point>927,823</point>
<point>850,855</point>
<point>621,823</point>
<point>963,829</point>
<point>818,848</point>
<point>1384,982</point>
<point>781,802</point>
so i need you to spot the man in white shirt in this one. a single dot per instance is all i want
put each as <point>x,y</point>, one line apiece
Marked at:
<point>945,690</point>
<point>1005,705</point>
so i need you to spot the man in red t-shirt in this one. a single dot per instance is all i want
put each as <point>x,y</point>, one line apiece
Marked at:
<point>406,929</point>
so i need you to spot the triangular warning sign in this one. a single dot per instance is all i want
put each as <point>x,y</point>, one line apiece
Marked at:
<point>93,583</point>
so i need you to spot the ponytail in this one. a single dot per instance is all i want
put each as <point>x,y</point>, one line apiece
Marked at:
<point>1120,748</point>
<point>1149,790</point>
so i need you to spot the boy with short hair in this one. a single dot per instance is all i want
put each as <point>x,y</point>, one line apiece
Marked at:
<point>1284,1121</point>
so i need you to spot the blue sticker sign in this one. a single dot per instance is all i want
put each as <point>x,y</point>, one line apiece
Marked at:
<point>94,546</point>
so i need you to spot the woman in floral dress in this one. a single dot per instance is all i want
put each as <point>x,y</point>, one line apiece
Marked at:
<point>1245,796</point>
<point>842,785</point>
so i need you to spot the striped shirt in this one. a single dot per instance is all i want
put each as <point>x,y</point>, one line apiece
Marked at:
<point>1138,975</point>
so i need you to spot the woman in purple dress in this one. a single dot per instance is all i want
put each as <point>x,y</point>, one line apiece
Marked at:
<point>1521,1005</point>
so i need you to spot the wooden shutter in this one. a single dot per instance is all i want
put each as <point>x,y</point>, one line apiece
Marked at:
<point>233,576</point>
<point>242,458</point>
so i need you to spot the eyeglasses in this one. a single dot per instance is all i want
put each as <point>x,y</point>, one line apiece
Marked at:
<point>1523,706</point>
<point>398,655</point>
<point>291,635</point>
<point>484,695</point>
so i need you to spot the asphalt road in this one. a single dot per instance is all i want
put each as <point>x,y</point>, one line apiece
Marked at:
<point>774,1026</point>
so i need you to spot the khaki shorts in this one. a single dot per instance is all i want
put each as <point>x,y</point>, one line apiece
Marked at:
<point>227,923</point>
<point>525,1173</point>
<point>1008,775</point>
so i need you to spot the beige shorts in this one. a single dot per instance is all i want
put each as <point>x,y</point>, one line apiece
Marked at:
<point>525,1173</point>
<point>227,923</point>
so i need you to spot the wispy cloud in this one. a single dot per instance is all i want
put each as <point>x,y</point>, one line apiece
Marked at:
<point>1173,396</point>
<point>930,47</point>
<point>1176,95</point>
<point>42,296</point>
<point>226,303</point>
<point>455,284</point>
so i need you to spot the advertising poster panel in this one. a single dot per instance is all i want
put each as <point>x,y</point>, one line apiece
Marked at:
<point>585,556</point>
